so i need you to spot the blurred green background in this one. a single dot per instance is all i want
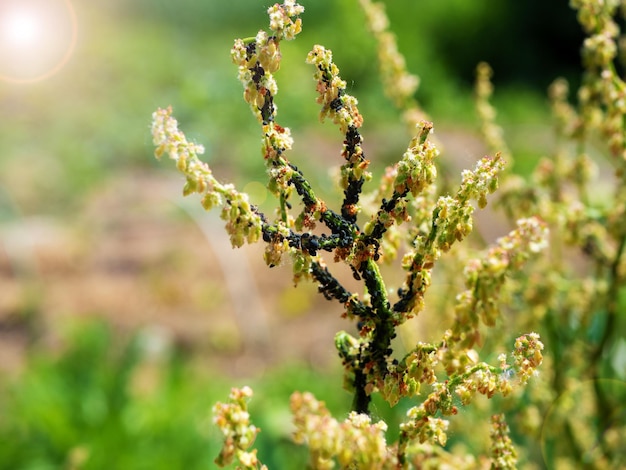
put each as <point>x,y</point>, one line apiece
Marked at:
<point>97,251</point>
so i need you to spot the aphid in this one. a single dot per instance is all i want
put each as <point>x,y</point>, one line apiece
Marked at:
<point>336,104</point>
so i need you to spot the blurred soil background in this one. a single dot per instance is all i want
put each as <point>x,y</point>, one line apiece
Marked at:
<point>94,231</point>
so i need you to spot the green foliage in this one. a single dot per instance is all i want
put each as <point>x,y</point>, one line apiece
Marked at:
<point>104,402</point>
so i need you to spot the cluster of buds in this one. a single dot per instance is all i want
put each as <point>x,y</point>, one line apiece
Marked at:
<point>341,107</point>
<point>233,420</point>
<point>451,222</point>
<point>527,356</point>
<point>484,279</point>
<point>481,378</point>
<point>503,454</point>
<point>259,58</point>
<point>282,21</point>
<point>422,425</point>
<point>603,93</point>
<point>343,110</point>
<point>492,133</point>
<point>414,174</point>
<point>405,378</point>
<point>416,171</point>
<point>484,380</point>
<point>243,223</point>
<point>399,85</point>
<point>488,380</point>
<point>355,443</point>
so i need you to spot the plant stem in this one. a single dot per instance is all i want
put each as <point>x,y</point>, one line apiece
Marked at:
<point>361,400</point>
<point>603,403</point>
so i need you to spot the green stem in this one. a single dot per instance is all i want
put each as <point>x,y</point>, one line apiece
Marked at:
<point>383,331</point>
<point>335,222</point>
<point>602,402</point>
<point>558,379</point>
<point>408,295</point>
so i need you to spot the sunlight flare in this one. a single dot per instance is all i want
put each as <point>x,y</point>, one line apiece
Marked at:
<point>37,38</point>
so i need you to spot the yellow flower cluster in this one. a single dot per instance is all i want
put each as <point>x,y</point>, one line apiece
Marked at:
<point>259,58</point>
<point>603,93</point>
<point>484,279</point>
<point>355,443</point>
<point>233,420</point>
<point>451,222</point>
<point>243,224</point>
<point>282,19</point>
<point>416,170</point>
<point>341,107</point>
<point>503,454</point>
<point>527,355</point>
<point>168,139</point>
<point>399,85</point>
<point>491,132</point>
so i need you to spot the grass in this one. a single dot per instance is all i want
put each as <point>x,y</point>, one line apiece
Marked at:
<point>103,400</point>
